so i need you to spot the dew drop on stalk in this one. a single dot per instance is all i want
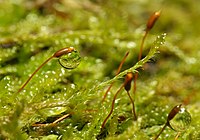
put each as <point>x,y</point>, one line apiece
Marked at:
<point>181,120</point>
<point>178,119</point>
<point>70,60</point>
<point>67,57</point>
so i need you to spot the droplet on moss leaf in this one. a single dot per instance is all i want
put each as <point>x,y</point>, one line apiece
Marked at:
<point>70,60</point>
<point>181,121</point>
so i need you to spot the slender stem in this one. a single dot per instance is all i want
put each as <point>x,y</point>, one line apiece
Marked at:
<point>118,71</point>
<point>133,106</point>
<point>177,136</point>
<point>53,123</point>
<point>161,131</point>
<point>106,93</point>
<point>142,44</point>
<point>34,73</point>
<point>112,106</point>
<point>61,118</point>
<point>139,58</point>
<point>122,62</point>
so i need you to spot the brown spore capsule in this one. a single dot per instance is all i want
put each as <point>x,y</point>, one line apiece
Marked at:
<point>171,115</point>
<point>128,80</point>
<point>63,51</point>
<point>152,20</point>
<point>173,112</point>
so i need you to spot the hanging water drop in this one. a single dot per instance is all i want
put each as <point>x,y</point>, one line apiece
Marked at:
<point>178,119</point>
<point>181,120</point>
<point>67,57</point>
<point>70,60</point>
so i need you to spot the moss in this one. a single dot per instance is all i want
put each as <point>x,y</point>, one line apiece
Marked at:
<point>102,32</point>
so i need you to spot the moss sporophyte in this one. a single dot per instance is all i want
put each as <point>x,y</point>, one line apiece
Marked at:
<point>178,120</point>
<point>150,23</point>
<point>68,58</point>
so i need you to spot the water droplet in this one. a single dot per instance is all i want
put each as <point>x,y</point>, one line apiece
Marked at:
<point>70,60</point>
<point>181,121</point>
<point>73,86</point>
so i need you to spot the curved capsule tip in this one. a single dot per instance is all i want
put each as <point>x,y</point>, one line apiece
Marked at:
<point>63,51</point>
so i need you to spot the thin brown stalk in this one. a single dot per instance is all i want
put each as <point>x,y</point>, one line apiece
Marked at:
<point>161,131</point>
<point>57,54</point>
<point>53,123</point>
<point>151,22</point>
<point>139,58</point>
<point>112,106</point>
<point>22,87</point>
<point>133,106</point>
<point>118,71</point>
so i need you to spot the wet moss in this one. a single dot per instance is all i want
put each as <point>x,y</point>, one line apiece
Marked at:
<point>102,32</point>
